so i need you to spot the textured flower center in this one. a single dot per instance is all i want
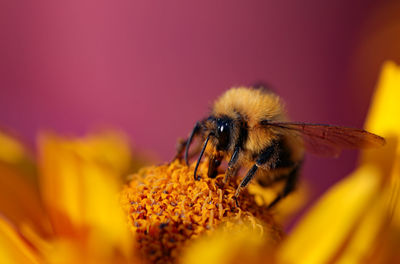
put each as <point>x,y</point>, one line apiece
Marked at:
<point>166,208</point>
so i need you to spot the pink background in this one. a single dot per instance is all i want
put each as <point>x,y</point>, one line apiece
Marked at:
<point>152,68</point>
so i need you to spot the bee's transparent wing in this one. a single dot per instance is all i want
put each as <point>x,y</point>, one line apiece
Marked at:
<point>328,140</point>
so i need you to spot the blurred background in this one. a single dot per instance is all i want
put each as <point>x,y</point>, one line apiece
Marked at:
<point>152,68</point>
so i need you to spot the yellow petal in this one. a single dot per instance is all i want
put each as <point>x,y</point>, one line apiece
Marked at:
<point>13,249</point>
<point>361,244</point>
<point>384,113</point>
<point>103,212</point>
<point>11,151</point>
<point>79,182</point>
<point>19,200</point>
<point>320,234</point>
<point>394,205</point>
<point>109,148</point>
<point>19,197</point>
<point>16,154</point>
<point>242,244</point>
<point>285,209</point>
<point>384,118</point>
<point>377,233</point>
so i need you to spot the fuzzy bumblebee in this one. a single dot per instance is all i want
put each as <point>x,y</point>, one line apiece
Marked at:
<point>248,127</point>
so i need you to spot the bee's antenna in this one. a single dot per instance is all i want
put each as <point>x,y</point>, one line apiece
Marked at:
<point>201,155</point>
<point>189,141</point>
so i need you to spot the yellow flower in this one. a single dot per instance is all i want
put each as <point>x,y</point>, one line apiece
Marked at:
<point>69,211</point>
<point>74,215</point>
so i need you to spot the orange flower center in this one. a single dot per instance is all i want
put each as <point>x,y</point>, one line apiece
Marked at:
<point>166,208</point>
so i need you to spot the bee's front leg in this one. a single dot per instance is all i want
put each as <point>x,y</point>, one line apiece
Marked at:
<point>232,165</point>
<point>249,176</point>
<point>267,155</point>
<point>195,132</point>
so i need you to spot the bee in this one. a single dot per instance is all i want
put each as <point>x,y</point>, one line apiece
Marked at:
<point>249,128</point>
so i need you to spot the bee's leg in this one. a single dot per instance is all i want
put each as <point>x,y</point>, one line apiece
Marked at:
<point>232,165</point>
<point>195,131</point>
<point>230,172</point>
<point>214,163</point>
<point>200,156</point>
<point>246,180</point>
<point>290,184</point>
<point>266,156</point>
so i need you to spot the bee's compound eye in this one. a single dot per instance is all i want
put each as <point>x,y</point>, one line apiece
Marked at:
<point>223,128</point>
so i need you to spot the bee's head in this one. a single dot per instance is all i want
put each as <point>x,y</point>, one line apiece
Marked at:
<point>216,130</point>
<point>220,129</point>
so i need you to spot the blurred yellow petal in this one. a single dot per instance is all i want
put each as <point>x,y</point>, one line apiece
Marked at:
<point>384,114</point>
<point>394,205</point>
<point>359,245</point>
<point>19,200</point>
<point>13,249</point>
<point>19,196</point>
<point>384,118</point>
<point>11,151</point>
<point>14,153</point>
<point>111,149</point>
<point>56,249</point>
<point>369,241</point>
<point>326,226</point>
<point>286,208</point>
<point>79,182</point>
<point>103,212</point>
<point>242,244</point>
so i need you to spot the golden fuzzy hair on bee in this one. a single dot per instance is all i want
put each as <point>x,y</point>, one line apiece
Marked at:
<point>253,104</point>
